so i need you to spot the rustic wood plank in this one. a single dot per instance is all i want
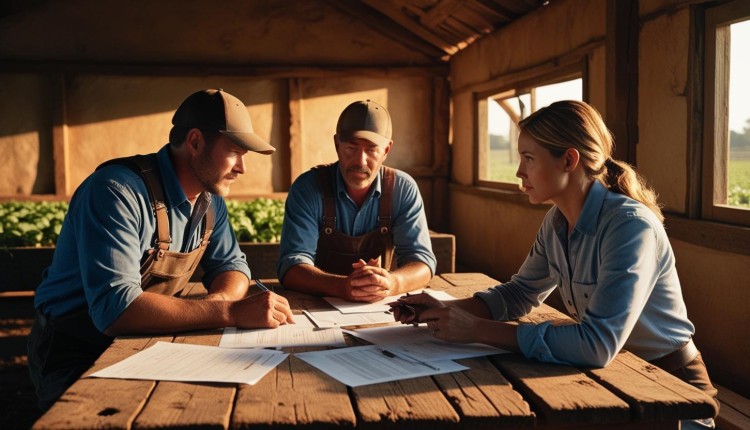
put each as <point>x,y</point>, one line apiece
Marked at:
<point>292,395</point>
<point>563,395</point>
<point>476,279</point>
<point>408,403</point>
<point>185,404</point>
<point>103,403</point>
<point>484,398</point>
<point>653,394</point>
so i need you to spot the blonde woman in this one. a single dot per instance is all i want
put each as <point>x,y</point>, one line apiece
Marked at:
<point>602,244</point>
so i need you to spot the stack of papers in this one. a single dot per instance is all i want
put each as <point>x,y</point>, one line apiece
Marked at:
<point>399,351</point>
<point>195,363</point>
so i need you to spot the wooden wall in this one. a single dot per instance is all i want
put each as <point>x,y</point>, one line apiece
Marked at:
<point>495,229</point>
<point>85,92</point>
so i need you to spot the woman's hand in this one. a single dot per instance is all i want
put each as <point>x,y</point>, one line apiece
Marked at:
<point>408,309</point>
<point>453,324</point>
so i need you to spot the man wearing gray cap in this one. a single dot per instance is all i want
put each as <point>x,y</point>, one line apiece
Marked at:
<point>343,221</point>
<point>133,235</point>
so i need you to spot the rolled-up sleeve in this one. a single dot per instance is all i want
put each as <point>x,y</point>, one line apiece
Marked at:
<point>300,230</point>
<point>411,235</point>
<point>107,233</point>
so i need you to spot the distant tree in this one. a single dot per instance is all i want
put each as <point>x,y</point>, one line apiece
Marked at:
<point>740,141</point>
<point>499,142</point>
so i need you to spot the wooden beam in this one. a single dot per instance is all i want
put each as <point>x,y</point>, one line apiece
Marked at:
<point>387,27</point>
<point>60,140</point>
<point>388,9</point>
<point>440,12</point>
<point>622,77</point>
<point>259,71</point>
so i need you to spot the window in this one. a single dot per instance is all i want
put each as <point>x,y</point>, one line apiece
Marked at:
<point>498,114</point>
<point>726,142</point>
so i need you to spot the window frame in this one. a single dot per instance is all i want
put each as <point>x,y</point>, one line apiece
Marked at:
<point>716,114</point>
<point>576,70</point>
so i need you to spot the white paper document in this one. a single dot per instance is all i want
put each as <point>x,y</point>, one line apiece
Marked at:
<point>337,319</point>
<point>419,344</point>
<point>285,335</point>
<point>364,365</point>
<point>166,361</point>
<point>348,307</point>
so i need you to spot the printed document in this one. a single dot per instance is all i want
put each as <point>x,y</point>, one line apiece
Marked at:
<point>285,335</point>
<point>419,344</point>
<point>166,361</point>
<point>335,318</point>
<point>347,307</point>
<point>371,364</point>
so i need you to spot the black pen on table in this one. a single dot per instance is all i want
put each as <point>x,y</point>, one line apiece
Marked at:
<point>389,354</point>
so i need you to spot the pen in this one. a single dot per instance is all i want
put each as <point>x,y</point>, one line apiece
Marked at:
<point>260,285</point>
<point>389,354</point>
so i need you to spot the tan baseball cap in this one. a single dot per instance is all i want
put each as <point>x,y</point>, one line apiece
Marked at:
<point>366,120</point>
<point>220,111</point>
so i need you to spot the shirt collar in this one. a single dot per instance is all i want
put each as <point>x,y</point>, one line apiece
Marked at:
<point>341,185</point>
<point>592,207</point>
<point>172,189</point>
<point>589,217</point>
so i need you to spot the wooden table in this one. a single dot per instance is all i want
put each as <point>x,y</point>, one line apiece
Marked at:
<point>503,391</point>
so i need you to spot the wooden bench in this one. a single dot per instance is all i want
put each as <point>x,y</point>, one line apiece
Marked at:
<point>734,413</point>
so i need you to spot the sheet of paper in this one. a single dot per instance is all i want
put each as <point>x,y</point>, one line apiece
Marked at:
<point>166,361</point>
<point>337,319</point>
<point>285,335</point>
<point>364,365</point>
<point>348,307</point>
<point>419,344</point>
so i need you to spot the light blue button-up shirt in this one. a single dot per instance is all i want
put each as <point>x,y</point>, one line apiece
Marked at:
<point>303,219</point>
<point>108,229</point>
<point>616,274</point>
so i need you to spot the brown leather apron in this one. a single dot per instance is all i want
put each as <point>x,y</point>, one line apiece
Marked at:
<point>337,251</point>
<point>162,271</point>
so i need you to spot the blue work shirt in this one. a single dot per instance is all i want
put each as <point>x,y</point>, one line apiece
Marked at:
<point>616,274</point>
<point>303,219</point>
<point>108,229</point>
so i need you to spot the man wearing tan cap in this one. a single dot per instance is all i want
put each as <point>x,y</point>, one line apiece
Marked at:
<point>134,232</point>
<point>344,220</point>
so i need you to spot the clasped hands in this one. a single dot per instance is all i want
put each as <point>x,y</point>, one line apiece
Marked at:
<point>368,282</point>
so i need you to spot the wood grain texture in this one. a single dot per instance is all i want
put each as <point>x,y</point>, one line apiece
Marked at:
<point>562,394</point>
<point>103,403</point>
<point>652,393</point>
<point>181,404</point>
<point>484,398</point>
<point>410,403</point>
<point>294,395</point>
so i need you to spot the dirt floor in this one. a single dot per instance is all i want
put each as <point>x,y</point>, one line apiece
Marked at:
<point>18,406</point>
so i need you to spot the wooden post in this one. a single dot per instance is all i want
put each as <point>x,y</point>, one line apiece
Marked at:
<point>60,139</point>
<point>296,163</point>
<point>622,77</point>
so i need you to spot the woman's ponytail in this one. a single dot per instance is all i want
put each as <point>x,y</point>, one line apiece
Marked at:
<point>621,178</point>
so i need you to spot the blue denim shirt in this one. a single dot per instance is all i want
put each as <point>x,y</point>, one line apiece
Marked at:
<point>108,229</point>
<point>303,219</point>
<point>616,274</point>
